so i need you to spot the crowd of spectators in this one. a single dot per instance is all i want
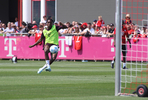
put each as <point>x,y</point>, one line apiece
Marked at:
<point>96,28</point>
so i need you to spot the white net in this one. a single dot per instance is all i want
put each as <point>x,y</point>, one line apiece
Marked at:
<point>137,60</point>
<point>137,55</point>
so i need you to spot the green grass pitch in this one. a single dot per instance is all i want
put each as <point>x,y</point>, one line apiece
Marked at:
<point>67,81</point>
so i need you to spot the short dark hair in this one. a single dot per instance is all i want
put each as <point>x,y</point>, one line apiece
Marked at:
<point>79,24</point>
<point>111,24</point>
<point>89,23</point>
<point>50,20</point>
<point>68,23</point>
<point>23,23</point>
<point>95,20</point>
<point>145,26</point>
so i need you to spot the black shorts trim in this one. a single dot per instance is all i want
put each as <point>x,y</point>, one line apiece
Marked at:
<point>124,50</point>
<point>51,45</point>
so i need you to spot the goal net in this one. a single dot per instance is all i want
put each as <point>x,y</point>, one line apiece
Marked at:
<point>137,55</point>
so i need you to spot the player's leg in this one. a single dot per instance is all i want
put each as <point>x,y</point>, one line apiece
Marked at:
<point>53,57</point>
<point>124,56</point>
<point>46,51</point>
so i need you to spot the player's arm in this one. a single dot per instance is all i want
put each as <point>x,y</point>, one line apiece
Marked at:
<point>62,25</point>
<point>41,38</point>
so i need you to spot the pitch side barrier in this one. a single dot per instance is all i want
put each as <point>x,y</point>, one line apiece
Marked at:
<point>93,48</point>
<point>67,34</point>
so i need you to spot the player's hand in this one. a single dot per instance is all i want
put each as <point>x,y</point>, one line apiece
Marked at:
<point>31,46</point>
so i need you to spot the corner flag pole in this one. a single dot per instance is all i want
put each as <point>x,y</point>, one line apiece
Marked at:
<point>118,46</point>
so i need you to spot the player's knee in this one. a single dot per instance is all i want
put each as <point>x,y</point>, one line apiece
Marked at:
<point>46,50</point>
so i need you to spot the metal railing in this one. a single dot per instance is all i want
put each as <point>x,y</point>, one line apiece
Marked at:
<point>67,34</point>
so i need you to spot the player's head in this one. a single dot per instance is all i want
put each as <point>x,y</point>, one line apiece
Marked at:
<point>49,22</point>
<point>127,16</point>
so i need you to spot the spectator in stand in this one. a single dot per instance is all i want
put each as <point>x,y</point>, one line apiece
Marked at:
<point>76,23</point>
<point>56,23</point>
<point>73,23</point>
<point>11,23</point>
<point>3,27</point>
<point>83,26</point>
<point>69,28</point>
<point>89,29</point>
<point>107,26</point>
<point>111,30</point>
<point>9,30</point>
<point>77,29</point>
<point>93,26</point>
<point>43,24</point>
<point>100,22</point>
<point>15,29</point>
<point>34,22</point>
<point>132,28</point>
<point>44,19</point>
<point>79,24</point>
<point>95,22</point>
<point>16,21</point>
<point>96,30</point>
<point>23,30</point>
<point>102,31</point>
<point>144,28</point>
<point>18,29</point>
<point>136,34</point>
<point>39,33</point>
<point>136,31</point>
<point>41,28</point>
<point>128,19</point>
<point>34,31</point>
<point>143,31</point>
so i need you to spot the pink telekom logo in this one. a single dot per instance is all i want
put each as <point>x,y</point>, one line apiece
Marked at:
<point>10,48</point>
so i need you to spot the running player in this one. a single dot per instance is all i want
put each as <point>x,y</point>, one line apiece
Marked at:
<point>51,38</point>
<point>124,50</point>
